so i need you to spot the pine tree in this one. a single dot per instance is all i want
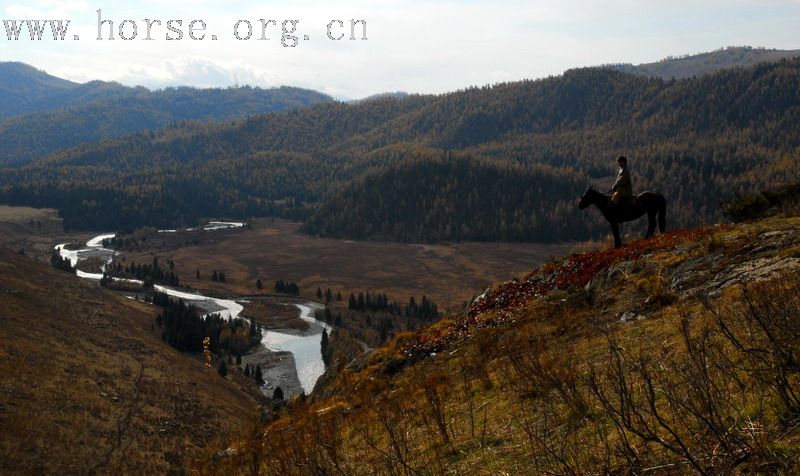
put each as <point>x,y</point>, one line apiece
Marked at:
<point>222,369</point>
<point>259,377</point>
<point>292,288</point>
<point>277,394</point>
<point>325,348</point>
<point>259,286</point>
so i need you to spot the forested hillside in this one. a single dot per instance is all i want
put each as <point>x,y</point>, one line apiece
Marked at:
<point>25,89</point>
<point>43,113</point>
<point>442,196</point>
<point>362,169</point>
<point>33,136</point>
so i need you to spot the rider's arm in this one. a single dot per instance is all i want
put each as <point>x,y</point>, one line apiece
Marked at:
<point>617,183</point>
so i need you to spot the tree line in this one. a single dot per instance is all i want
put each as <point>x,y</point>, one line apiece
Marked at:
<point>184,328</point>
<point>147,273</point>
<point>425,310</point>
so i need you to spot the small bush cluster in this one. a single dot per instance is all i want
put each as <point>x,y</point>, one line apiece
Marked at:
<point>763,204</point>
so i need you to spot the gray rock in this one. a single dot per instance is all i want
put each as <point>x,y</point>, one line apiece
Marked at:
<point>760,269</point>
<point>770,234</point>
<point>631,316</point>
<point>277,369</point>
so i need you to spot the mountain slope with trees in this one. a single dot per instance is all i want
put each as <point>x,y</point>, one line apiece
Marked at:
<point>491,201</point>
<point>698,141</point>
<point>25,89</point>
<point>43,113</point>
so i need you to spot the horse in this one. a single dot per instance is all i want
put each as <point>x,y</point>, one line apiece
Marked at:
<point>651,203</point>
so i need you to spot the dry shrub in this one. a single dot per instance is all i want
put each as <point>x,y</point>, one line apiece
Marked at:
<point>703,402</point>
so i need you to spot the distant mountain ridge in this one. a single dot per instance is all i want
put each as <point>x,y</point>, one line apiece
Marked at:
<point>25,89</point>
<point>389,94</point>
<point>42,113</point>
<point>705,63</point>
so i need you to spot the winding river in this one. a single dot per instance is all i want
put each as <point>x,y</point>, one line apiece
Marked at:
<point>304,346</point>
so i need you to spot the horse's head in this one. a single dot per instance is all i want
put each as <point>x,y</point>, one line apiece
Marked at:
<point>586,198</point>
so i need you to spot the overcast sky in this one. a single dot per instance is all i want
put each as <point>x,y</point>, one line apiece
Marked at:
<point>414,46</point>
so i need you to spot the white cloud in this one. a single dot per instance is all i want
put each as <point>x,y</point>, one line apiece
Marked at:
<point>191,70</point>
<point>206,72</point>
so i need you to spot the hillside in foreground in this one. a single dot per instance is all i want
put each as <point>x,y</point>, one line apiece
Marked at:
<point>675,355</point>
<point>87,388</point>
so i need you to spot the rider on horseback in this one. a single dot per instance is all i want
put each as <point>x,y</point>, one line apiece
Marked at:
<point>622,190</point>
<point>623,206</point>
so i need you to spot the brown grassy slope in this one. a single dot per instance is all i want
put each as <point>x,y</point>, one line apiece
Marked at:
<point>85,388</point>
<point>35,230</point>
<point>605,362</point>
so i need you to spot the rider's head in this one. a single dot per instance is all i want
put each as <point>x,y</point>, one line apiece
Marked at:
<point>622,161</point>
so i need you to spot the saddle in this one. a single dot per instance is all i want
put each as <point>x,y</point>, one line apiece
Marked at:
<point>618,201</point>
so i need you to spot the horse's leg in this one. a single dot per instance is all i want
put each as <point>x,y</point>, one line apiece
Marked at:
<point>615,230</point>
<point>651,226</point>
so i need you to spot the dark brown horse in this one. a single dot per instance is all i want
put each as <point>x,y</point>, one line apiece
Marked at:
<point>651,203</point>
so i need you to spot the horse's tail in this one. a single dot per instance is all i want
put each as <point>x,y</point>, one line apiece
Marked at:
<point>662,212</point>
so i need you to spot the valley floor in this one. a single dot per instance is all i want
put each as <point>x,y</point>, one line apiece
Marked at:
<point>271,250</point>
